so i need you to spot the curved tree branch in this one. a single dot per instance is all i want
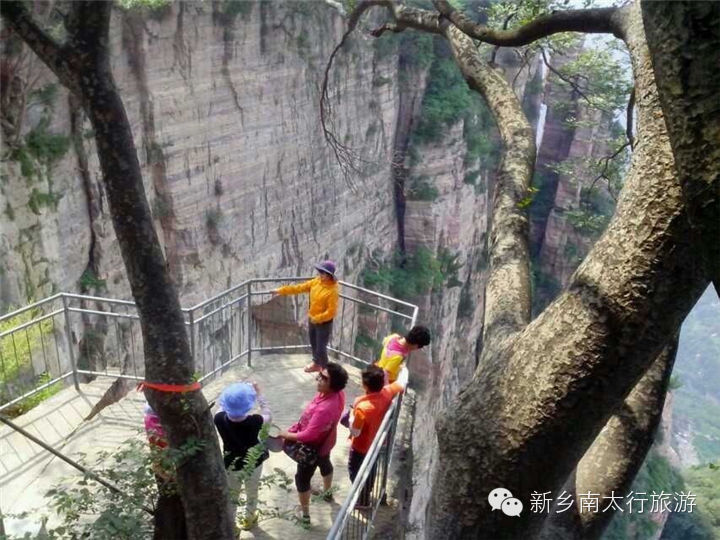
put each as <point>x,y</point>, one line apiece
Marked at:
<point>589,21</point>
<point>684,43</point>
<point>507,293</point>
<point>612,461</point>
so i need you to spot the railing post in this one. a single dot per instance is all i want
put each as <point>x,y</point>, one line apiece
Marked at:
<point>390,442</point>
<point>249,322</point>
<point>68,336</point>
<point>192,338</point>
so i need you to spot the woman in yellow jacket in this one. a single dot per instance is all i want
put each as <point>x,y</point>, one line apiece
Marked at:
<point>324,294</point>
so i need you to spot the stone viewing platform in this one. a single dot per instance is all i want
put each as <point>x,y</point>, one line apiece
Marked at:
<point>49,350</point>
<point>27,471</point>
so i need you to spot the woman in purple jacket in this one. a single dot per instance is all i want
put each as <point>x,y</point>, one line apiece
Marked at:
<point>317,427</point>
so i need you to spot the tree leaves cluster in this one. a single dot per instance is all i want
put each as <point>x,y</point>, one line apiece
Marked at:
<point>414,274</point>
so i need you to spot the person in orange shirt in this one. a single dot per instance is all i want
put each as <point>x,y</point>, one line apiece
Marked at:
<point>324,295</point>
<point>367,414</point>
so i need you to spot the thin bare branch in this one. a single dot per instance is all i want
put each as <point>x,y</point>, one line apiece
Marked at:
<point>404,17</point>
<point>606,165</point>
<point>569,81</point>
<point>506,22</point>
<point>589,21</point>
<point>524,60</point>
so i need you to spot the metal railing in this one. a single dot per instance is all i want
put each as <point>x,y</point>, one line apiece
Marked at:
<point>369,490</point>
<point>73,337</point>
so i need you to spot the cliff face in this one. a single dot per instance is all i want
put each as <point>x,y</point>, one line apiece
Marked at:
<point>224,110</point>
<point>454,223</point>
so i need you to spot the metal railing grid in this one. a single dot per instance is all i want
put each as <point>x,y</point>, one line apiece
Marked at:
<point>79,337</point>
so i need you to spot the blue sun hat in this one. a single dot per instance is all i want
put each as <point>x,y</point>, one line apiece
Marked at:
<point>238,399</point>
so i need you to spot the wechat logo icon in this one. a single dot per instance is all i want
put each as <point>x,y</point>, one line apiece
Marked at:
<point>501,499</point>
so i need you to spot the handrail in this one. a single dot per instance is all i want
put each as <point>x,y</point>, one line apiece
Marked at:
<point>364,472</point>
<point>99,299</point>
<point>219,295</point>
<point>379,295</point>
<point>31,306</point>
<point>27,324</point>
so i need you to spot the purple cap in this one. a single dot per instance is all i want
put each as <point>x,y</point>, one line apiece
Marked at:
<point>326,266</point>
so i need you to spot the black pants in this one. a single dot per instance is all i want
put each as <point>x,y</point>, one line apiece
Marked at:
<point>354,463</point>
<point>319,335</point>
<point>304,473</point>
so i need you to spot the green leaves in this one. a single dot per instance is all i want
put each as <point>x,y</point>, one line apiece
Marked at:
<point>140,4</point>
<point>447,99</point>
<point>525,201</point>
<point>89,510</point>
<point>418,273</point>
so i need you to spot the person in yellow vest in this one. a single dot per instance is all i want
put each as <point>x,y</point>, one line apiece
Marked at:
<point>324,294</point>
<point>396,348</point>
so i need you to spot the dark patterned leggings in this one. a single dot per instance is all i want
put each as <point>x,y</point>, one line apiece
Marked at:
<point>319,335</point>
<point>304,473</point>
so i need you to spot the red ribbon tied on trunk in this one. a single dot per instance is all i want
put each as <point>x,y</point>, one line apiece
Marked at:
<point>162,387</point>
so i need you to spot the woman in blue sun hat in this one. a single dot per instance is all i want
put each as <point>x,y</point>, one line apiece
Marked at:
<point>239,432</point>
<point>324,295</point>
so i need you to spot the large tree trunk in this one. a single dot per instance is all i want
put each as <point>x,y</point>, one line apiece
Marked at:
<point>539,399</point>
<point>609,466</point>
<point>186,417</point>
<point>684,42</point>
<point>83,66</point>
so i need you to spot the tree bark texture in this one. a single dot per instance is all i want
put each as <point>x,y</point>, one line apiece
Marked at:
<point>684,41</point>
<point>609,466</point>
<point>83,65</point>
<point>538,400</point>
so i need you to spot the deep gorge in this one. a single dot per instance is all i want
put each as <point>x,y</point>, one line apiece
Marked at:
<point>224,103</point>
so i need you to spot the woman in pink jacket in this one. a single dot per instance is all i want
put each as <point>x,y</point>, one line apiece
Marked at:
<point>317,427</point>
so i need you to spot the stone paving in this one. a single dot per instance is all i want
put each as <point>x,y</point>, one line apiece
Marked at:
<point>27,471</point>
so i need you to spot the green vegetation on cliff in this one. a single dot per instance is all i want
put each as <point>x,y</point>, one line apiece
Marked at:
<point>413,275</point>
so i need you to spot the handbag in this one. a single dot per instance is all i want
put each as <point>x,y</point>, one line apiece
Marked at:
<point>301,453</point>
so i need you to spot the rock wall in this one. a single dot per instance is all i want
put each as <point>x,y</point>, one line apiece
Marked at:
<point>565,216</point>
<point>225,115</point>
<point>454,222</point>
